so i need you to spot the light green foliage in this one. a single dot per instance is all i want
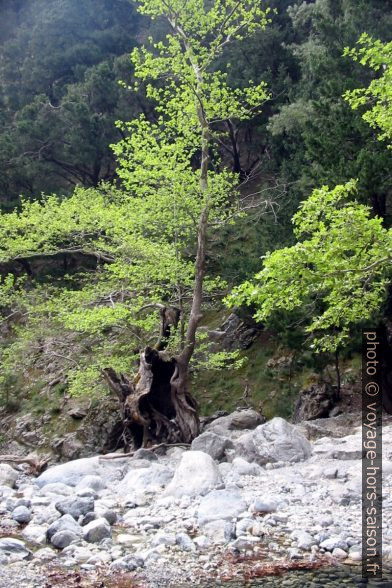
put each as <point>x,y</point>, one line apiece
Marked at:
<point>6,288</point>
<point>135,247</point>
<point>207,25</point>
<point>212,360</point>
<point>191,96</point>
<point>136,266</point>
<point>337,271</point>
<point>378,95</point>
<point>325,142</point>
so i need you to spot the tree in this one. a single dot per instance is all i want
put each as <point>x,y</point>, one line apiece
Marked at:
<point>337,272</point>
<point>147,244</point>
<point>378,95</point>
<point>322,140</point>
<point>59,96</point>
<point>195,98</point>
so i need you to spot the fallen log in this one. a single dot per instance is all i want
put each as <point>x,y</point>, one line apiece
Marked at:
<point>37,465</point>
<point>153,448</point>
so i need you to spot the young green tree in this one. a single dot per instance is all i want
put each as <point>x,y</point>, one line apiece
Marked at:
<point>146,246</point>
<point>378,95</point>
<point>195,96</point>
<point>337,272</point>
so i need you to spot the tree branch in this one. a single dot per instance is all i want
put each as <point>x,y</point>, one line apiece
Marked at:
<point>99,255</point>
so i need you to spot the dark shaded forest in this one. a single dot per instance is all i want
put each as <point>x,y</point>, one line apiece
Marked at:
<point>61,62</point>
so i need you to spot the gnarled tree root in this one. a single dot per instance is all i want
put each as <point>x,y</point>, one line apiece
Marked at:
<point>156,407</point>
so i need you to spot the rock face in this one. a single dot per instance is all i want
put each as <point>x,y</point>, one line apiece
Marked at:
<point>214,445</point>
<point>98,430</point>
<point>236,332</point>
<point>69,446</point>
<point>274,441</point>
<point>197,473</point>
<point>8,475</point>
<point>237,420</point>
<point>315,402</point>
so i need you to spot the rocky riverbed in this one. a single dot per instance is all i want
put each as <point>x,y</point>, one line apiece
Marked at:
<point>248,500</point>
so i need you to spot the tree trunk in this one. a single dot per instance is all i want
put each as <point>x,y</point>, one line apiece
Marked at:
<point>159,402</point>
<point>233,135</point>
<point>156,407</point>
<point>379,205</point>
<point>338,378</point>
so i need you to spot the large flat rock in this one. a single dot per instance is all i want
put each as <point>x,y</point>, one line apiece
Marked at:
<point>277,440</point>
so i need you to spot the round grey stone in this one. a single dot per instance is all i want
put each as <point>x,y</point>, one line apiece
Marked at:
<point>21,515</point>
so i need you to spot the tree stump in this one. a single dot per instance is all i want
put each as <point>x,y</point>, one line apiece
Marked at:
<point>155,408</point>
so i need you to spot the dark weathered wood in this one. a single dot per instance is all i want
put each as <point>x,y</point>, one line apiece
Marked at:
<point>156,407</point>
<point>110,456</point>
<point>170,317</point>
<point>122,387</point>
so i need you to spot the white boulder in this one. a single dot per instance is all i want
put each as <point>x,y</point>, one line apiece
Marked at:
<point>275,441</point>
<point>8,475</point>
<point>196,474</point>
<point>148,479</point>
<point>70,473</point>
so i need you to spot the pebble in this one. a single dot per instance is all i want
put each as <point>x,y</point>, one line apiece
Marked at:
<point>21,515</point>
<point>281,510</point>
